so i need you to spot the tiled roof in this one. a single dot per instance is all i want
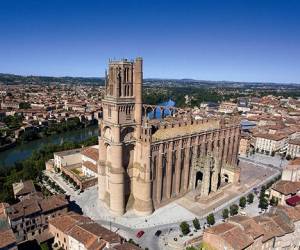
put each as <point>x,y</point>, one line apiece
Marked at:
<point>90,166</point>
<point>21,188</point>
<point>232,234</point>
<point>249,224</point>
<point>53,202</point>
<point>91,152</point>
<point>7,238</point>
<point>35,205</point>
<point>286,187</point>
<point>273,137</point>
<point>65,222</point>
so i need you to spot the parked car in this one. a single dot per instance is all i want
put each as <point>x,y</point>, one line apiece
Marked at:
<point>158,233</point>
<point>140,234</point>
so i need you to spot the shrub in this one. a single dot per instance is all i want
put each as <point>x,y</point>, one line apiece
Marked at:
<point>243,202</point>
<point>234,209</point>
<point>263,203</point>
<point>210,219</point>
<point>196,223</point>
<point>225,213</point>
<point>274,201</point>
<point>185,228</point>
<point>250,198</point>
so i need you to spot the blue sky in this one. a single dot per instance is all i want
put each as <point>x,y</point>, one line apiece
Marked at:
<point>245,40</point>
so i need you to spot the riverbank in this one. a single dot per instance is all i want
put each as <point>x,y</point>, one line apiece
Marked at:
<point>24,150</point>
<point>31,167</point>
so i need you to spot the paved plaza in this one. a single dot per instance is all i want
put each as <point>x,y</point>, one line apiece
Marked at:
<point>168,218</point>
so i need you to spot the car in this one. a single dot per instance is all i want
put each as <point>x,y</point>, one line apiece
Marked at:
<point>140,233</point>
<point>158,233</point>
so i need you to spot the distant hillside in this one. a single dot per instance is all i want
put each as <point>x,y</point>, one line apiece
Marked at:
<point>17,79</point>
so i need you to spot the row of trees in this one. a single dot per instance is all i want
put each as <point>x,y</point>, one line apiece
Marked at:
<point>210,219</point>
<point>52,184</point>
<point>70,180</point>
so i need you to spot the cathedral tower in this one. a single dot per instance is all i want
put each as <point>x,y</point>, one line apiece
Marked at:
<point>120,131</point>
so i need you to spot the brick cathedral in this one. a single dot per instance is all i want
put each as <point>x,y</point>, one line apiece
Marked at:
<point>146,163</point>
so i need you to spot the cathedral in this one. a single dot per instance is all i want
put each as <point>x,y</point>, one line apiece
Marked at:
<point>146,163</point>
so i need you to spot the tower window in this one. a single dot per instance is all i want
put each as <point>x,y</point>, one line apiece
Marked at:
<point>109,111</point>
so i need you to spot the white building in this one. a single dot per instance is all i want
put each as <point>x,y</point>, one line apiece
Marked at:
<point>292,171</point>
<point>268,143</point>
<point>293,148</point>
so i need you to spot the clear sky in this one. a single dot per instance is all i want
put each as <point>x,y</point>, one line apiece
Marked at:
<point>242,40</point>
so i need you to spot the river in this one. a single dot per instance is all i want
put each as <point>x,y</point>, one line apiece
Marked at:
<point>167,104</point>
<point>22,151</point>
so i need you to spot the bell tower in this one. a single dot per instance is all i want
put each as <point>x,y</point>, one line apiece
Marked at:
<point>119,130</point>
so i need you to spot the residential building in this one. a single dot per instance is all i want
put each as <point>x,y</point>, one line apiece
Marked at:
<point>277,229</point>
<point>23,188</point>
<point>282,190</point>
<point>293,148</point>
<point>28,218</point>
<point>292,171</point>
<point>269,143</point>
<point>73,232</point>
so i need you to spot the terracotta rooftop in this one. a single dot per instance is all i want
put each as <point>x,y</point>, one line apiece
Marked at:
<point>35,205</point>
<point>23,187</point>
<point>295,141</point>
<point>273,137</point>
<point>65,222</point>
<point>292,212</point>
<point>286,187</point>
<point>232,234</point>
<point>293,164</point>
<point>126,246</point>
<point>249,224</point>
<point>53,202</point>
<point>101,232</point>
<point>91,152</point>
<point>7,238</point>
<point>90,166</point>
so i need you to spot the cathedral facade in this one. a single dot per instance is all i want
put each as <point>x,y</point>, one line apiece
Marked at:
<point>146,163</point>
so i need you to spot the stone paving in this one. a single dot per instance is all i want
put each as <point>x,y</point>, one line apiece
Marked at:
<point>170,213</point>
<point>170,216</point>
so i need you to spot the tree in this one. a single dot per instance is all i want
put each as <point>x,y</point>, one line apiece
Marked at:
<point>274,201</point>
<point>191,248</point>
<point>288,157</point>
<point>263,203</point>
<point>234,209</point>
<point>250,198</point>
<point>185,228</point>
<point>210,219</point>
<point>225,213</point>
<point>242,202</point>
<point>196,223</point>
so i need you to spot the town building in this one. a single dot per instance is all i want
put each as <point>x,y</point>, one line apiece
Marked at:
<point>23,188</point>
<point>270,143</point>
<point>292,171</point>
<point>146,163</point>
<point>293,148</point>
<point>7,237</point>
<point>277,229</point>
<point>79,164</point>
<point>73,231</point>
<point>28,218</point>
<point>228,107</point>
<point>283,190</point>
